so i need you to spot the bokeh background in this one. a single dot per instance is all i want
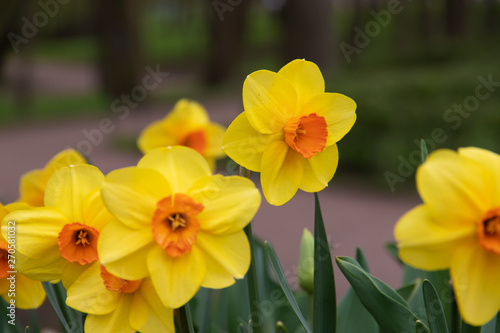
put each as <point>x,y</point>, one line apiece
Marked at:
<point>416,68</point>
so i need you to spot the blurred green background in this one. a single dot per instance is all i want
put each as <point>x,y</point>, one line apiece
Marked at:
<point>409,65</point>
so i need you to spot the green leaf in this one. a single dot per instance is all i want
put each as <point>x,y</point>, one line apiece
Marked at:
<point>280,275</point>
<point>420,327</point>
<point>52,296</point>
<point>466,328</point>
<point>423,150</point>
<point>392,248</point>
<point>388,308</point>
<point>434,309</point>
<point>352,316</point>
<point>408,291</point>
<point>325,302</point>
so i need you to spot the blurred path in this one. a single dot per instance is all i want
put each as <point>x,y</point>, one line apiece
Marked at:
<point>354,216</point>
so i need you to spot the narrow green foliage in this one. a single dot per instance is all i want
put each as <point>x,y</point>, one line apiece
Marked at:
<point>185,320</point>
<point>57,303</point>
<point>434,309</point>
<point>280,275</point>
<point>466,328</point>
<point>325,302</point>
<point>420,327</point>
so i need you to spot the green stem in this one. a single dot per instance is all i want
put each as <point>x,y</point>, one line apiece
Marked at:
<point>34,324</point>
<point>184,319</point>
<point>455,315</point>
<point>252,284</point>
<point>497,325</point>
<point>466,328</point>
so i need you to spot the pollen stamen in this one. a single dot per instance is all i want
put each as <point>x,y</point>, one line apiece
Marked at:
<point>177,220</point>
<point>82,238</point>
<point>488,231</point>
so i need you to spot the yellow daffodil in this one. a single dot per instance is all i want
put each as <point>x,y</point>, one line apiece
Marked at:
<point>289,129</point>
<point>458,227</point>
<point>117,305</point>
<point>32,186</point>
<point>25,293</point>
<point>187,125</point>
<point>177,223</point>
<point>58,240</point>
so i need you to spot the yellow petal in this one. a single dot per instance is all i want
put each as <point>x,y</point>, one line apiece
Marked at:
<point>244,145</point>
<point>425,244</point>
<point>215,134</point>
<point>71,273</point>
<point>89,294</point>
<point>122,250</point>
<point>181,166</point>
<point>475,274</point>
<point>281,173</point>
<point>306,78</point>
<point>63,159</point>
<point>32,185</point>
<point>176,280</point>
<point>319,169</point>
<point>227,257</point>
<point>32,188</point>
<point>36,230</point>
<point>115,321</point>
<point>186,116</point>
<point>456,190</point>
<point>29,294</point>
<point>489,161</point>
<point>148,314</point>
<point>95,213</point>
<point>338,111</point>
<point>230,203</point>
<point>156,135</point>
<point>270,101</point>
<point>131,194</point>
<point>48,267</point>
<point>68,187</point>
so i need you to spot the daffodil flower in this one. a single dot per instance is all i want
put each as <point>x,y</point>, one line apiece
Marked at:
<point>32,185</point>
<point>187,125</point>
<point>113,304</point>
<point>458,227</point>
<point>177,223</point>
<point>27,294</point>
<point>59,240</point>
<point>289,129</point>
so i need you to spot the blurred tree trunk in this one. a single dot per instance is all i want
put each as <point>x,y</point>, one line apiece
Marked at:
<point>456,11</point>
<point>308,32</point>
<point>118,32</point>
<point>227,25</point>
<point>10,22</point>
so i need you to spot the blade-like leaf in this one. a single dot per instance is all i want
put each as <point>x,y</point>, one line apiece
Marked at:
<point>392,248</point>
<point>51,295</point>
<point>408,291</point>
<point>388,308</point>
<point>361,259</point>
<point>423,150</point>
<point>466,328</point>
<point>434,309</point>
<point>325,302</point>
<point>280,275</point>
<point>420,327</point>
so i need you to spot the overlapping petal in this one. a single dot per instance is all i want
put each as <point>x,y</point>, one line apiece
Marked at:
<point>215,134</point>
<point>475,273</point>
<point>68,187</point>
<point>425,244</point>
<point>156,135</point>
<point>176,280</point>
<point>270,100</point>
<point>226,256</point>
<point>182,166</point>
<point>115,321</point>
<point>89,294</point>
<point>147,313</point>
<point>446,180</point>
<point>137,189</point>
<point>245,145</point>
<point>123,250</point>
<point>306,78</point>
<point>29,294</point>
<point>338,111</point>
<point>489,161</point>
<point>319,169</point>
<point>229,203</point>
<point>282,171</point>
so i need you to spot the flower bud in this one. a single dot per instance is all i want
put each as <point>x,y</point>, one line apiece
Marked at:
<point>306,262</point>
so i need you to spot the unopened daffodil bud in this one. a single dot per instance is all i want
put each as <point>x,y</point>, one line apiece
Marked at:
<point>306,262</point>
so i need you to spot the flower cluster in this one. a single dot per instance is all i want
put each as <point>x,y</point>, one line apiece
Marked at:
<point>139,242</point>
